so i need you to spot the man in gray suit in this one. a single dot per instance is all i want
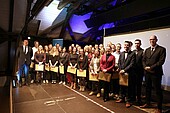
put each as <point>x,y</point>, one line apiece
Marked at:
<point>153,59</point>
<point>24,54</point>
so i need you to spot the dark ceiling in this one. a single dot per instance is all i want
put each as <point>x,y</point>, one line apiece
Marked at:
<point>113,16</point>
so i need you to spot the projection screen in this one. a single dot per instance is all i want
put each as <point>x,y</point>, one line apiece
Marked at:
<point>163,40</point>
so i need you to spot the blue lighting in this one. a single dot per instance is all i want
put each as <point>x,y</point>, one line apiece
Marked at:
<point>77,23</point>
<point>107,25</point>
<point>113,3</point>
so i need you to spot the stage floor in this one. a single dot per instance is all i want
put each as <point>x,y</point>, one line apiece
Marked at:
<point>55,98</point>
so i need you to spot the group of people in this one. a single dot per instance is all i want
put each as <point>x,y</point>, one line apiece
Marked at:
<point>88,62</point>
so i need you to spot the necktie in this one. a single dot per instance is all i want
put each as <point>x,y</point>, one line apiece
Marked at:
<point>152,50</point>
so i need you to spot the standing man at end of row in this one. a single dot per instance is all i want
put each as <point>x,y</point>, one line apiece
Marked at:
<point>153,59</point>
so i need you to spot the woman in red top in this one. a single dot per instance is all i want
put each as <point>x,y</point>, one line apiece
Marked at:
<point>107,64</point>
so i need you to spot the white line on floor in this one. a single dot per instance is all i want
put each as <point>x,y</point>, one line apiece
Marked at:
<point>90,100</point>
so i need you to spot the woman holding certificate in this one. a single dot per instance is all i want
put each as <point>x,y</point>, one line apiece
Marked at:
<point>40,58</point>
<point>82,66</point>
<point>72,68</point>
<point>53,61</point>
<point>63,66</point>
<point>94,72</point>
<point>47,74</point>
<point>107,64</point>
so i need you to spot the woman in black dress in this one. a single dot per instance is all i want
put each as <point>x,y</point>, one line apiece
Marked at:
<point>54,61</point>
<point>82,64</point>
<point>73,63</point>
<point>40,59</point>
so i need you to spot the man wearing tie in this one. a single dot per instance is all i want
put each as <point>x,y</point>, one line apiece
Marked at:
<point>153,59</point>
<point>24,54</point>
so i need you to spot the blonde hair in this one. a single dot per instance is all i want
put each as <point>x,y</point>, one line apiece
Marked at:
<point>54,52</point>
<point>42,51</point>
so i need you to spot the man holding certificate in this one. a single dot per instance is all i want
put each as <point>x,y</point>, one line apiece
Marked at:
<point>125,64</point>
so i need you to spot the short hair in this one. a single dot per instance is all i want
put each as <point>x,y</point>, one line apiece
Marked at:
<point>127,42</point>
<point>35,42</point>
<point>138,40</point>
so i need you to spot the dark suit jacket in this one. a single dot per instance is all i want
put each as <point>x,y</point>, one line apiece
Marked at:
<point>155,60</point>
<point>22,57</point>
<point>128,63</point>
<point>107,64</point>
<point>138,61</point>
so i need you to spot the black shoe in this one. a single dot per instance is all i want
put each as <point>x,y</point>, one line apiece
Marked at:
<point>20,84</point>
<point>138,103</point>
<point>105,99</point>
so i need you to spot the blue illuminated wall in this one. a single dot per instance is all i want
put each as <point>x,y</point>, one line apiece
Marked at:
<point>77,23</point>
<point>59,41</point>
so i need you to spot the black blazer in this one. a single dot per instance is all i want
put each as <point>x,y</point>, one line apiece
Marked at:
<point>155,60</point>
<point>138,61</point>
<point>128,63</point>
<point>22,57</point>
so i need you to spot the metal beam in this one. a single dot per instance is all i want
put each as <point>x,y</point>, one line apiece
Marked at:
<point>69,14</point>
<point>135,8</point>
<point>71,32</point>
<point>159,22</point>
<point>11,16</point>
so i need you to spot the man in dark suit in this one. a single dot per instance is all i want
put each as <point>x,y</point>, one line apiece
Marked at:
<point>24,54</point>
<point>126,63</point>
<point>107,63</point>
<point>138,69</point>
<point>153,59</point>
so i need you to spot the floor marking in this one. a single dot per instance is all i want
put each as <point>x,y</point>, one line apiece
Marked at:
<point>70,98</point>
<point>88,99</point>
<point>59,100</point>
<point>54,100</point>
<point>49,103</point>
